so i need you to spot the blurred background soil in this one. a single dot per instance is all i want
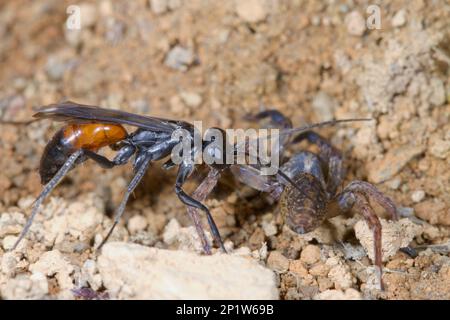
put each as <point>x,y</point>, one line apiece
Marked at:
<point>216,61</point>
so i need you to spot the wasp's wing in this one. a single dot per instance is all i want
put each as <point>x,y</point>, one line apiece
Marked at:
<point>74,112</point>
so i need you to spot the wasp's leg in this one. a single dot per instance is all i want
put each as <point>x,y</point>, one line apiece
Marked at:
<point>200,194</point>
<point>47,190</point>
<point>140,173</point>
<point>331,157</point>
<point>124,154</point>
<point>184,172</point>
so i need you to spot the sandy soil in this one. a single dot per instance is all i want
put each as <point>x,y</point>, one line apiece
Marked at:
<point>216,61</point>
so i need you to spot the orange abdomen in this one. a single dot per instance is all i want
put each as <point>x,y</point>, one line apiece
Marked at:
<point>93,136</point>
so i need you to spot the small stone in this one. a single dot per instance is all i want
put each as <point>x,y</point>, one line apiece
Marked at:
<point>159,6</point>
<point>319,269</point>
<point>191,99</point>
<point>88,15</point>
<point>418,196</point>
<point>137,223</point>
<point>440,148</point>
<point>269,228</point>
<point>186,239</point>
<point>340,273</point>
<point>297,267</point>
<point>277,262</point>
<point>438,95</point>
<point>394,183</point>
<point>324,106</point>
<point>251,10</point>
<point>131,271</point>
<point>8,242</point>
<point>392,162</point>
<point>310,254</point>
<point>179,58</point>
<point>399,19</point>
<point>349,294</point>
<point>356,24</point>
<point>24,286</point>
<point>53,263</point>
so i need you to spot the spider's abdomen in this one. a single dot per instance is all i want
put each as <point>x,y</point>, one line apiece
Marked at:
<point>304,207</point>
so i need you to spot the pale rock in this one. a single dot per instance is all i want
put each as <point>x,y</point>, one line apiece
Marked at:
<point>131,271</point>
<point>191,99</point>
<point>355,23</point>
<point>88,14</point>
<point>340,273</point>
<point>399,19</point>
<point>310,254</point>
<point>418,196</point>
<point>11,223</point>
<point>395,235</point>
<point>29,287</point>
<point>137,223</point>
<point>269,228</point>
<point>185,239</point>
<point>392,162</point>
<point>90,275</point>
<point>8,242</point>
<point>277,262</point>
<point>251,10</point>
<point>159,6</point>
<point>349,294</point>
<point>324,106</point>
<point>53,263</point>
<point>179,58</point>
<point>440,148</point>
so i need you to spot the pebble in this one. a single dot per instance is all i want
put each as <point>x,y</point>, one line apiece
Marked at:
<point>324,106</point>
<point>276,261</point>
<point>89,15</point>
<point>355,23</point>
<point>131,271</point>
<point>310,254</point>
<point>394,183</point>
<point>399,19</point>
<point>159,6</point>
<point>191,99</point>
<point>418,196</point>
<point>251,10</point>
<point>349,294</point>
<point>440,148</point>
<point>137,223</point>
<point>179,58</point>
<point>269,228</point>
<point>392,162</point>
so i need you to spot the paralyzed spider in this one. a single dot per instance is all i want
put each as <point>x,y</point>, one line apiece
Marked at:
<point>310,194</point>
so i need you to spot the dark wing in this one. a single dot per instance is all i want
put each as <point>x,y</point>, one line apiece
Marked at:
<point>74,112</point>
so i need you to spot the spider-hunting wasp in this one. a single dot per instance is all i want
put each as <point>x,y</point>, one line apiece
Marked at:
<point>87,129</point>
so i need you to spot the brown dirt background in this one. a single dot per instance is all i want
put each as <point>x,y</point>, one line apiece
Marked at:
<point>308,59</point>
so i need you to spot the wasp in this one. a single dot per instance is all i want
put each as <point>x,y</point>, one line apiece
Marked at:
<point>87,129</point>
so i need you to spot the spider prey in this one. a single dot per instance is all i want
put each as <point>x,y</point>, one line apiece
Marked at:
<point>312,194</point>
